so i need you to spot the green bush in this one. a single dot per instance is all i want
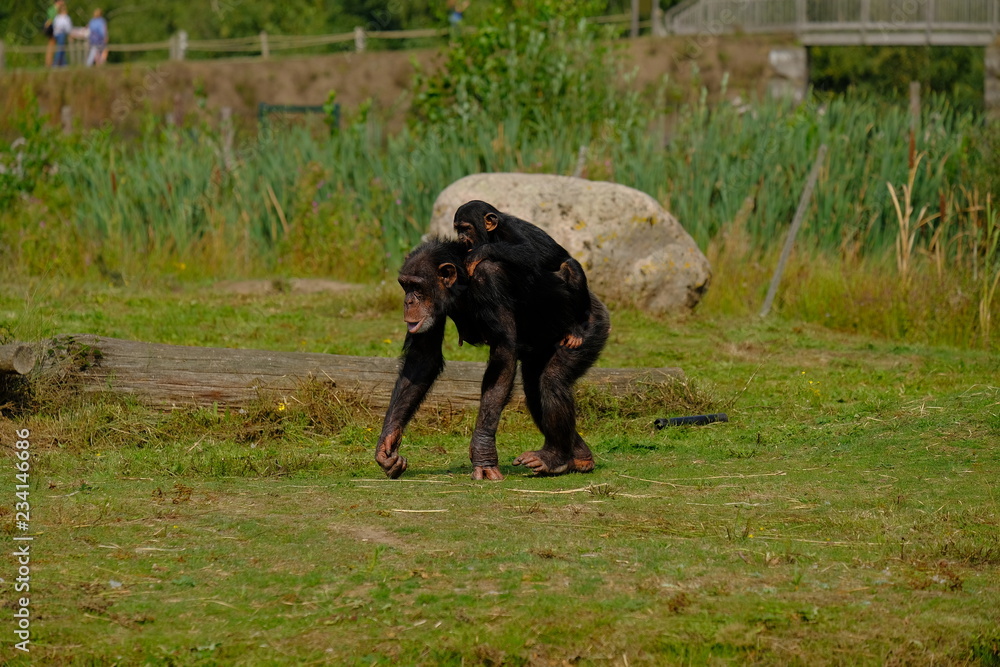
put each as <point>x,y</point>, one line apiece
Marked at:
<point>28,146</point>
<point>955,71</point>
<point>540,63</point>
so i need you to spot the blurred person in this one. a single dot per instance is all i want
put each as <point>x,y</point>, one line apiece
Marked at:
<point>50,47</point>
<point>97,36</point>
<point>62,26</point>
<point>456,10</point>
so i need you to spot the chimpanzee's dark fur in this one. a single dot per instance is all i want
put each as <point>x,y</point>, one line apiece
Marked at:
<point>519,320</point>
<point>492,234</point>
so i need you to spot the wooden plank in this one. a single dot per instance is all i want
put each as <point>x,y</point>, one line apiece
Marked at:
<point>174,376</point>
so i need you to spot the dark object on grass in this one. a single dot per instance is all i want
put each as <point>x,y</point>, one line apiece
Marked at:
<point>695,420</point>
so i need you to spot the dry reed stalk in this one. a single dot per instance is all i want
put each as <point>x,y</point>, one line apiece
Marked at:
<point>907,237</point>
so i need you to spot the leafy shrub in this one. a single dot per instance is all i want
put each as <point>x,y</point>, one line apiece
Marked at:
<point>956,71</point>
<point>541,63</point>
<point>26,151</point>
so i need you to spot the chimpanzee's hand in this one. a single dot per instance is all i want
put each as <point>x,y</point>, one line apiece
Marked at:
<point>392,463</point>
<point>473,258</point>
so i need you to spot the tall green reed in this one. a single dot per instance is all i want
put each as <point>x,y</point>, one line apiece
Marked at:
<point>176,190</point>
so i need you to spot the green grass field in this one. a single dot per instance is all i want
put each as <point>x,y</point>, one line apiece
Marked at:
<point>847,514</point>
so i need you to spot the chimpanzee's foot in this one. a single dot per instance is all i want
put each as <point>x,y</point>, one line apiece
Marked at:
<point>544,462</point>
<point>491,473</point>
<point>548,461</point>
<point>583,458</point>
<point>571,341</point>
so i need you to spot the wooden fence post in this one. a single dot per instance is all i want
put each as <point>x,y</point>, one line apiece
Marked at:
<point>633,30</point>
<point>66,116</point>
<point>800,214</point>
<point>359,39</point>
<point>866,19</point>
<point>659,30</point>
<point>178,112</point>
<point>226,123</point>
<point>265,50</point>
<point>914,120</point>
<point>581,161</point>
<point>991,86</point>
<point>930,20</point>
<point>178,45</point>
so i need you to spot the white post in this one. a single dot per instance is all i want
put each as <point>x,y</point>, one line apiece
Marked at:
<point>265,50</point>
<point>866,17</point>
<point>66,116</point>
<point>991,87</point>
<point>633,31</point>
<point>182,44</point>
<point>359,39</point>
<point>930,20</point>
<point>659,30</point>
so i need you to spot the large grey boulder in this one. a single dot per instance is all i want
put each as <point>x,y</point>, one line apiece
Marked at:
<point>633,251</point>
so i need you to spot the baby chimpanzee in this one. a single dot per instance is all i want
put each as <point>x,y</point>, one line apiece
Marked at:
<point>490,234</point>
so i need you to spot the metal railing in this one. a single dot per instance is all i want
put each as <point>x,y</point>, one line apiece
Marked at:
<point>956,22</point>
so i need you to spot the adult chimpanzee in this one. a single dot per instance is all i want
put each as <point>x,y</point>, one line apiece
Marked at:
<point>519,320</point>
<point>491,234</point>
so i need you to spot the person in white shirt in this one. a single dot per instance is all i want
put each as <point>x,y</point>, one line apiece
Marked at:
<point>62,25</point>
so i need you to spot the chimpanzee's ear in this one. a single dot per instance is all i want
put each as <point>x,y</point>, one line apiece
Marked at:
<point>448,274</point>
<point>491,220</point>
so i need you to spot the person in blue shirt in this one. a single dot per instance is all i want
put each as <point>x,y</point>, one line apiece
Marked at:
<point>98,39</point>
<point>456,10</point>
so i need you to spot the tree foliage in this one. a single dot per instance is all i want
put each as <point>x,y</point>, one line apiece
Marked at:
<point>143,21</point>
<point>887,71</point>
<point>539,63</point>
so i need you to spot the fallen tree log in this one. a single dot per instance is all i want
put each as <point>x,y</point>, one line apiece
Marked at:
<point>174,376</point>
<point>16,358</point>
